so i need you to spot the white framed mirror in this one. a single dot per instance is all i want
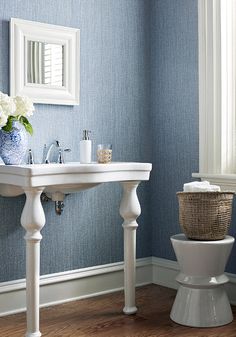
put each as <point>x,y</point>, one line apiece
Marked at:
<point>44,62</point>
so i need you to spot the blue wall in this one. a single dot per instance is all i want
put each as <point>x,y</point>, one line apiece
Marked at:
<point>115,105</point>
<point>174,113</point>
<point>139,90</point>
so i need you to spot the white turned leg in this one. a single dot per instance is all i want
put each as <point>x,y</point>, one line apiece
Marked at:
<point>33,220</point>
<point>130,210</point>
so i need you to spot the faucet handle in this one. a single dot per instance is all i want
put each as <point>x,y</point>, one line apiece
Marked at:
<point>44,153</point>
<point>61,159</point>
<point>30,160</point>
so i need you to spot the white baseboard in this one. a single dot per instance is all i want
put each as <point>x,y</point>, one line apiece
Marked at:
<point>93,281</point>
<point>164,272</point>
<point>72,285</point>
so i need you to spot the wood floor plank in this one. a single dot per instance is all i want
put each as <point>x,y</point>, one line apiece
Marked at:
<point>102,317</point>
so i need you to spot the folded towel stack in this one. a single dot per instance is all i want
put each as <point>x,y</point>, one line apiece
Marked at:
<point>200,186</point>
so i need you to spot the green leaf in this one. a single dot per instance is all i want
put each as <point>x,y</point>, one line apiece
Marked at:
<point>29,128</point>
<point>23,119</point>
<point>8,126</point>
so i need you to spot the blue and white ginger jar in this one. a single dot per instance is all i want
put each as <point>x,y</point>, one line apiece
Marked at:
<point>13,144</point>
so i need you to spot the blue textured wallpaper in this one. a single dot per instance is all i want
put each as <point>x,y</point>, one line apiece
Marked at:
<point>174,116</point>
<point>114,104</point>
<point>174,113</point>
<point>139,91</point>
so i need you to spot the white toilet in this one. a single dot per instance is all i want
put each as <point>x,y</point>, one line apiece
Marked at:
<point>201,300</point>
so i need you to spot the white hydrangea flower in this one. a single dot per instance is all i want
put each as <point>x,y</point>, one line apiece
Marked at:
<point>24,106</point>
<point>3,118</point>
<point>7,104</point>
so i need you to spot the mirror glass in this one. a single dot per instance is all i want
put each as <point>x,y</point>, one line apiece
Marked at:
<point>45,63</point>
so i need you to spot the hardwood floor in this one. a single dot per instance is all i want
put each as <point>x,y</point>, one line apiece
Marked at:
<point>101,316</point>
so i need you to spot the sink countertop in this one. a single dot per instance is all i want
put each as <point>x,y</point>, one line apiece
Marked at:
<point>72,167</point>
<point>72,173</point>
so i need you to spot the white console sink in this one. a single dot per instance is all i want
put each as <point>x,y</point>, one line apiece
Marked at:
<point>69,178</point>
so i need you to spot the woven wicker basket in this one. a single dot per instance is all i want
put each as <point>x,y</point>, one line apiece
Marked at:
<point>205,215</point>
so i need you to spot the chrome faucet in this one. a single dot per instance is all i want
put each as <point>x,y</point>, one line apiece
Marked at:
<point>47,153</point>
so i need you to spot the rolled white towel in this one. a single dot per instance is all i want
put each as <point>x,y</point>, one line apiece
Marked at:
<point>200,186</point>
<point>190,187</point>
<point>214,188</point>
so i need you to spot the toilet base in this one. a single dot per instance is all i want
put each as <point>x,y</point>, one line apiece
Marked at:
<point>201,300</point>
<point>201,307</point>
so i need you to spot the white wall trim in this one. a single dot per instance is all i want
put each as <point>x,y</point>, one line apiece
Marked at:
<point>209,56</point>
<point>227,182</point>
<point>217,76</point>
<point>94,281</point>
<point>72,285</point>
<point>70,275</point>
<point>164,272</point>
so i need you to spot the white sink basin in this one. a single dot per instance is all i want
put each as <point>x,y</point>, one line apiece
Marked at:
<point>70,188</point>
<point>67,178</point>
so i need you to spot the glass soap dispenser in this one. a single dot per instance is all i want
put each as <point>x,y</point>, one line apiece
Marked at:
<point>85,148</point>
